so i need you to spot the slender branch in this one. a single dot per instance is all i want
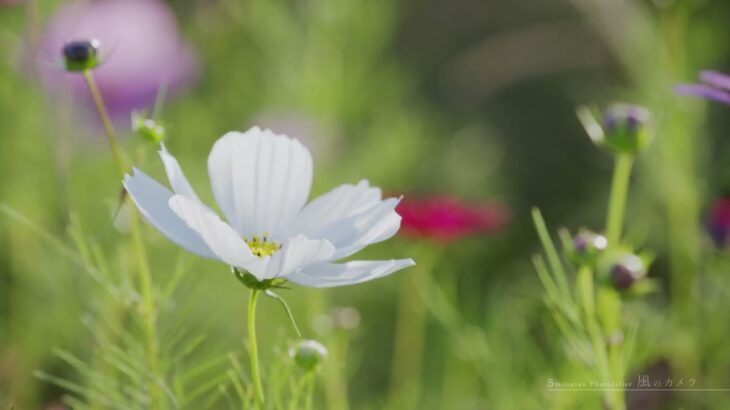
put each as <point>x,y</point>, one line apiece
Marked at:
<point>289,313</point>
<point>106,123</point>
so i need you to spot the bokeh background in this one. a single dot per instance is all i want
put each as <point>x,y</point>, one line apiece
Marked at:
<point>473,99</point>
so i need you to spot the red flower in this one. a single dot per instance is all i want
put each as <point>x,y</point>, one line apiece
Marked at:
<point>446,219</point>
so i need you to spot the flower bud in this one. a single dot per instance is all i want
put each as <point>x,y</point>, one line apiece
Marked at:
<point>586,247</point>
<point>81,55</point>
<point>626,271</point>
<point>147,128</point>
<point>624,128</point>
<point>307,354</point>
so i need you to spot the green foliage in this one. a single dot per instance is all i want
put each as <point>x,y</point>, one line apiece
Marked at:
<point>475,99</point>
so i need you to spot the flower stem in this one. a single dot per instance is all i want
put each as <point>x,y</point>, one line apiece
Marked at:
<point>609,302</point>
<point>253,348</point>
<point>335,372</point>
<point>145,275</point>
<point>410,336</point>
<point>310,390</point>
<point>409,340</point>
<point>617,199</point>
<point>289,313</point>
<point>586,291</point>
<point>609,305</point>
<point>106,123</point>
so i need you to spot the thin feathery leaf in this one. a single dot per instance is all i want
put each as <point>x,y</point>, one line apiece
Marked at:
<point>181,268</point>
<point>236,382</point>
<point>71,387</point>
<point>552,254</point>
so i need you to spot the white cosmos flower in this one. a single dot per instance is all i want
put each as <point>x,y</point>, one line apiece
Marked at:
<point>261,182</point>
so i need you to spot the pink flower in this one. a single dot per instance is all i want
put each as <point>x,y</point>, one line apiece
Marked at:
<point>713,86</point>
<point>140,48</point>
<point>445,219</point>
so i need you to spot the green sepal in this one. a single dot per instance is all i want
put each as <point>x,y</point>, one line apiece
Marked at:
<point>250,281</point>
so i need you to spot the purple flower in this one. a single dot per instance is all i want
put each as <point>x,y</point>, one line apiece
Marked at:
<point>141,51</point>
<point>713,86</point>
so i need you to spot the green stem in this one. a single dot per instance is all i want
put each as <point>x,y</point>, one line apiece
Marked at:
<point>410,337</point>
<point>106,123</point>
<point>253,348</point>
<point>587,299</point>
<point>609,304</point>
<point>310,390</point>
<point>148,302</point>
<point>617,199</point>
<point>289,313</point>
<point>335,372</point>
<point>615,358</point>
<point>609,312</point>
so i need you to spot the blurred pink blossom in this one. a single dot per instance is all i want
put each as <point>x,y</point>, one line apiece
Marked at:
<point>445,219</point>
<point>719,221</point>
<point>141,51</point>
<point>713,85</point>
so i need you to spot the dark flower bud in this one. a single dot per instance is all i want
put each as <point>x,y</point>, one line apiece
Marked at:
<point>586,247</point>
<point>81,55</point>
<point>307,354</point>
<point>147,128</point>
<point>626,271</point>
<point>624,128</point>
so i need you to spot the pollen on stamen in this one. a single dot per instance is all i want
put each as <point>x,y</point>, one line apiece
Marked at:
<point>262,247</point>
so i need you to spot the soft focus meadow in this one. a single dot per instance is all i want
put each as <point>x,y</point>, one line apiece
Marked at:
<point>495,120</point>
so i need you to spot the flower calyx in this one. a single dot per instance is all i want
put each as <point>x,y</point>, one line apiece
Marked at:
<point>252,282</point>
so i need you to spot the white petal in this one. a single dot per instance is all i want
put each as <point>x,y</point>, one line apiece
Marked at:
<point>342,202</point>
<point>296,253</point>
<point>260,180</point>
<point>353,233</point>
<point>325,275</point>
<point>175,175</point>
<point>218,235</point>
<point>152,200</point>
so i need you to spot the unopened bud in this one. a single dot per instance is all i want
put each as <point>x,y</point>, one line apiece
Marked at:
<point>587,246</point>
<point>147,128</point>
<point>626,271</point>
<point>624,128</point>
<point>81,55</point>
<point>307,354</point>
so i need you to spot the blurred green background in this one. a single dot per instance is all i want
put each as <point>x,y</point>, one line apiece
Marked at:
<point>468,98</point>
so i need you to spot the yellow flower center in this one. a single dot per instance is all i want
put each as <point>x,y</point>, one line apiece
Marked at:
<point>262,247</point>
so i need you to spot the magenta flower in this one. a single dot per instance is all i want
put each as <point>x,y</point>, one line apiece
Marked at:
<point>140,48</point>
<point>445,219</point>
<point>713,86</point>
<point>719,221</point>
